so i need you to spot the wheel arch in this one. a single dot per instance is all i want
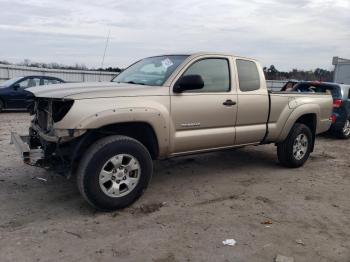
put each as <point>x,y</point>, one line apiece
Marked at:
<point>310,120</point>
<point>141,131</point>
<point>307,115</point>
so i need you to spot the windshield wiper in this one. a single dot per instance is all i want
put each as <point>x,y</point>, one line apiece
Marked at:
<point>134,83</point>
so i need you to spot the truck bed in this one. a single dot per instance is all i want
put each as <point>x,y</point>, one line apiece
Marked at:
<point>284,104</point>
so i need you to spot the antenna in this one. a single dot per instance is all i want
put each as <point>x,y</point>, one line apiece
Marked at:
<point>104,54</point>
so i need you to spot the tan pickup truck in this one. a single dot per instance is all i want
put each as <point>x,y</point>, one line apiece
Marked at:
<point>107,134</point>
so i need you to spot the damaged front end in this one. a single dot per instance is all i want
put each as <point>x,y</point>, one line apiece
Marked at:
<point>46,146</point>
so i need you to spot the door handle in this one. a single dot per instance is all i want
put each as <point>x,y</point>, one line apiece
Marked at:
<point>229,102</point>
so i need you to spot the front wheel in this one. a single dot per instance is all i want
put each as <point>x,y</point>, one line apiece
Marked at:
<point>295,149</point>
<point>114,172</point>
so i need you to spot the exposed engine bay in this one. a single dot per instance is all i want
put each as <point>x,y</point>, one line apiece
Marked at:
<point>46,146</point>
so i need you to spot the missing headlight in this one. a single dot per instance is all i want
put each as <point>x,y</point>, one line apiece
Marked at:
<point>60,108</point>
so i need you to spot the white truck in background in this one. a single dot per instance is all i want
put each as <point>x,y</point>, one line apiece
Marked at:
<point>341,70</point>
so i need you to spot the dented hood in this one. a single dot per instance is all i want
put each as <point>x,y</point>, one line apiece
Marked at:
<point>96,90</point>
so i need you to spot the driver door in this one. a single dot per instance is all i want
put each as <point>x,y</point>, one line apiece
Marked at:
<point>202,119</point>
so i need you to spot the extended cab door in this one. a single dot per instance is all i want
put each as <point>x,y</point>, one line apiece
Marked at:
<point>204,118</point>
<point>253,102</point>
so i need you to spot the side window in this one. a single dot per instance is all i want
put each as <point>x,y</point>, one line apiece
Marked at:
<point>45,81</point>
<point>50,81</point>
<point>349,93</point>
<point>33,82</point>
<point>215,73</point>
<point>248,75</point>
<point>23,84</point>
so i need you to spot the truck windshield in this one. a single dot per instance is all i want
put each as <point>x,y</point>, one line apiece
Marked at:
<point>152,71</point>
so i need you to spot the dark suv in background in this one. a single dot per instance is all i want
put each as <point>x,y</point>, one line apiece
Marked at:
<point>341,103</point>
<point>13,94</point>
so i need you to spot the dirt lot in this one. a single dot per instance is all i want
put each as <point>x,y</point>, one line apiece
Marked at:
<point>191,206</point>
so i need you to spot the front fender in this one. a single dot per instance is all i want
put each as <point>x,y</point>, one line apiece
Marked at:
<point>92,114</point>
<point>123,115</point>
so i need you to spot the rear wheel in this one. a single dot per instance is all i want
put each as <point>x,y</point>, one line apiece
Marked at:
<point>344,133</point>
<point>295,149</point>
<point>114,172</point>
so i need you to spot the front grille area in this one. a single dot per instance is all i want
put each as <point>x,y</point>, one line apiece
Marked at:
<point>42,118</point>
<point>42,113</point>
<point>60,108</point>
<point>49,111</point>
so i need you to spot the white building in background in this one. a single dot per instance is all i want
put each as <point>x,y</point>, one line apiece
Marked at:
<point>11,71</point>
<point>341,70</point>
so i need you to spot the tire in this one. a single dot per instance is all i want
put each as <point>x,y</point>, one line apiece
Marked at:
<point>114,155</point>
<point>344,133</point>
<point>290,152</point>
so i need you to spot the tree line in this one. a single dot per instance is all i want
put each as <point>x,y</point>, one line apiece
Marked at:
<point>29,63</point>
<point>318,74</point>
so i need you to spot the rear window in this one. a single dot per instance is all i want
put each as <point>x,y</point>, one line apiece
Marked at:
<point>318,88</point>
<point>248,75</point>
<point>51,81</point>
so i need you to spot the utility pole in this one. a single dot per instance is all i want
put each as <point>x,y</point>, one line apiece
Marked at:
<point>104,54</point>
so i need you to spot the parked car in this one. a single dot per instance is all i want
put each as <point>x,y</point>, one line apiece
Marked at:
<point>13,93</point>
<point>289,85</point>
<point>161,107</point>
<point>341,103</point>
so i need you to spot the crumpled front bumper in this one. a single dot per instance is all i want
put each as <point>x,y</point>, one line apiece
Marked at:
<point>30,156</point>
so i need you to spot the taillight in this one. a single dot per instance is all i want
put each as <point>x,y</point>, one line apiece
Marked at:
<point>337,103</point>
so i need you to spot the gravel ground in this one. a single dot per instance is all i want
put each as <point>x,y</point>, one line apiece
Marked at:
<point>191,206</point>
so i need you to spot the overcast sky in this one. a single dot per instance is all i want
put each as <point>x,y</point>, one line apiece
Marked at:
<point>302,34</point>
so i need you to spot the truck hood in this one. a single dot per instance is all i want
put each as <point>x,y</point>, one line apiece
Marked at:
<point>96,90</point>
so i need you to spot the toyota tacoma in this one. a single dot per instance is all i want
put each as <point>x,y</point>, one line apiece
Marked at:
<point>108,134</point>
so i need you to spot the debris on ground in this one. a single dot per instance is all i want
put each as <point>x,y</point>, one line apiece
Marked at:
<point>300,242</point>
<point>148,208</point>
<point>229,242</point>
<point>281,258</point>
<point>219,199</point>
<point>264,199</point>
<point>160,223</point>
<point>115,214</point>
<point>40,178</point>
<point>267,222</point>
<point>74,234</point>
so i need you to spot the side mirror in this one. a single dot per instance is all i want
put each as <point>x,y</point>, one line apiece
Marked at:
<point>189,82</point>
<point>16,86</point>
